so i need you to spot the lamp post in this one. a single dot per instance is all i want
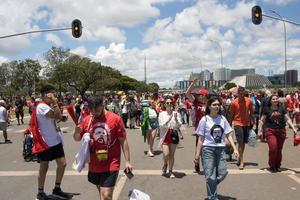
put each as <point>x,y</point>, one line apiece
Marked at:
<point>285,62</point>
<point>217,43</point>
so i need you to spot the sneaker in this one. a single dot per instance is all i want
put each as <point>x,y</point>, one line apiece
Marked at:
<point>172,175</point>
<point>150,154</point>
<point>57,192</point>
<point>42,196</point>
<point>8,141</point>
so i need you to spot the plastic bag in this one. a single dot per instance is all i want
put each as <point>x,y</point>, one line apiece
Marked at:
<point>138,195</point>
<point>252,141</point>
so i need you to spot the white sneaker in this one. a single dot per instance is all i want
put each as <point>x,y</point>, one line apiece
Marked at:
<point>172,175</point>
<point>150,154</point>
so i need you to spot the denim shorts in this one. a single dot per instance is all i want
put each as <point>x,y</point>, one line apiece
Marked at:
<point>153,123</point>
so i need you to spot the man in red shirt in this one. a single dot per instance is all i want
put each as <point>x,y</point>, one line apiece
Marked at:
<point>108,136</point>
<point>199,102</point>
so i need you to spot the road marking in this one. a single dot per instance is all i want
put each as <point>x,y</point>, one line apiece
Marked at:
<point>119,187</point>
<point>294,177</point>
<point>290,171</point>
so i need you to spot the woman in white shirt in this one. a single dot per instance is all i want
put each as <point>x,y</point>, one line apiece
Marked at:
<point>169,124</point>
<point>212,130</point>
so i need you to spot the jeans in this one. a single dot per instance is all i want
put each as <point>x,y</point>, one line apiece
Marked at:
<point>215,169</point>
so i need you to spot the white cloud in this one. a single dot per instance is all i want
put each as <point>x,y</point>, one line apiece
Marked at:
<point>82,51</point>
<point>3,60</point>
<point>54,38</point>
<point>279,2</point>
<point>174,46</point>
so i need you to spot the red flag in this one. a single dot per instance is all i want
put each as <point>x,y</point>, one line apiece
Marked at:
<point>70,109</point>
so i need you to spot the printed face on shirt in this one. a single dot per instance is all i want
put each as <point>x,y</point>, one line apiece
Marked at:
<point>101,133</point>
<point>217,133</point>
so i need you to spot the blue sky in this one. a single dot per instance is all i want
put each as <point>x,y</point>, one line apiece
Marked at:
<point>173,34</point>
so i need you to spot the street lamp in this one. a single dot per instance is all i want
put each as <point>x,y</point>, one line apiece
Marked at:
<point>285,67</point>
<point>217,43</point>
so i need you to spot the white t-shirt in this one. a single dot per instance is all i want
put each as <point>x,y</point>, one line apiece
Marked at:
<point>2,114</point>
<point>47,126</point>
<point>152,113</point>
<point>213,130</point>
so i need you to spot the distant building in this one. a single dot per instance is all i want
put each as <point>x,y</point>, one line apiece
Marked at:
<point>277,79</point>
<point>222,75</point>
<point>251,80</point>
<point>241,72</point>
<point>291,77</point>
<point>182,85</point>
<point>194,76</point>
<point>206,75</point>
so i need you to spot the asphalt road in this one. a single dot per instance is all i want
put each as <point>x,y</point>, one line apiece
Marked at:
<point>18,179</point>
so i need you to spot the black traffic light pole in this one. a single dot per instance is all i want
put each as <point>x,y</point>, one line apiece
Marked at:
<point>76,28</point>
<point>37,31</point>
<point>281,19</point>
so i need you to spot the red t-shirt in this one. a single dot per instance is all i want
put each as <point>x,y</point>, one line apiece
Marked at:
<point>290,105</point>
<point>104,133</point>
<point>187,104</point>
<point>200,111</point>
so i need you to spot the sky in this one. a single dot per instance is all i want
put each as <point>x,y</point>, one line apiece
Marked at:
<point>177,37</point>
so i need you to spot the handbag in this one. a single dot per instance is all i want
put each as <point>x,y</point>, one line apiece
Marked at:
<point>175,137</point>
<point>252,141</point>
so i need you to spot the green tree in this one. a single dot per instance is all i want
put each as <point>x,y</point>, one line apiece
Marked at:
<point>77,72</point>
<point>55,56</point>
<point>25,74</point>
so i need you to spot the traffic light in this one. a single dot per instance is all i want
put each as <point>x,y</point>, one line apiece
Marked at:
<point>76,28</point>
<point>256,15</point>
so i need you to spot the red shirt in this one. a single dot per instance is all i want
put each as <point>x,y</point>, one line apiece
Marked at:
<point>200,111</point>
<point>290,105</point>
<point>104,133</point>
<point>187,104</point>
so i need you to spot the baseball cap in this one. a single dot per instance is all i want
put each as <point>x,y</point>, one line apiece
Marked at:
<point>202,92</point>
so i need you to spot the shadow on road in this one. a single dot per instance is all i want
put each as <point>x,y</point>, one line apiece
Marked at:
<point>157,152</point>
<point>250,164</point>
<point>221,197</point>
<point>176,174</point>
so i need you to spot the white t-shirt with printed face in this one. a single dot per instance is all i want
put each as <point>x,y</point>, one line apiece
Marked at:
<point>2,114</point>
<point>213,130</point>
<point>47,126</point>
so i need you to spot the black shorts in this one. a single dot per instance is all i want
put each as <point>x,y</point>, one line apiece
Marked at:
<point>241,133</point>
<point>105,179</point>
<point>52,153</point>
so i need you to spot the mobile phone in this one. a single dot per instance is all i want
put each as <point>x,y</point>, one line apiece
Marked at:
<point>128,173</point>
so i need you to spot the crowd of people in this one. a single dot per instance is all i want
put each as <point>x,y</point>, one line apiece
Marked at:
<point>217,118</point>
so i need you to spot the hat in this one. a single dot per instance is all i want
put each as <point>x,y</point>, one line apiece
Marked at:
<point>202,92</point>
<point>2,101</point>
